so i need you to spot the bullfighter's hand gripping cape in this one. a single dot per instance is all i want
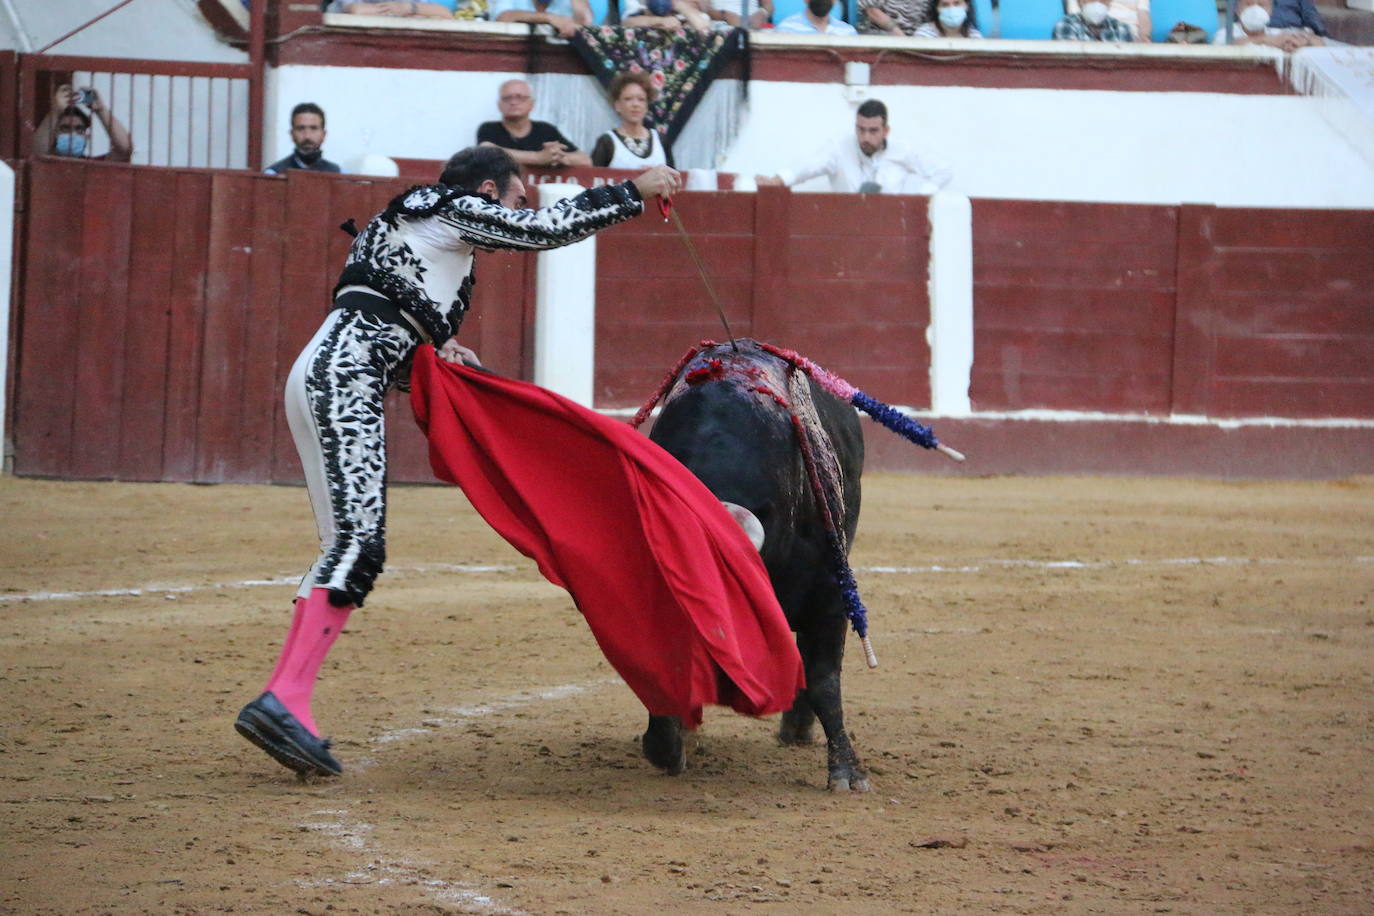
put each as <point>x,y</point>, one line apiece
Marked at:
<point>673,591</point>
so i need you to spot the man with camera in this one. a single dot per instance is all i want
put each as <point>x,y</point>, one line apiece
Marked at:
<point>66,129</point>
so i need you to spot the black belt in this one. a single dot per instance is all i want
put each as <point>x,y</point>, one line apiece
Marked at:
<point>384,309</point>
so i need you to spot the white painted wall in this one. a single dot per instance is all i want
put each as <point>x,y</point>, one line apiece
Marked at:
<point>414,114</point>
<point>565,311</point>
<point>1137,147</point>
<point>145,29</point>
<point>1231,150</point>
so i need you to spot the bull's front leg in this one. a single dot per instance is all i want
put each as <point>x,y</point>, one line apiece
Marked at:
<point>663,745</point>
<point>823,656</point>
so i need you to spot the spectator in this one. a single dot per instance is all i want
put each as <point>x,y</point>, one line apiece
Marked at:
<point>1253,28</point>
<point>66,130</point>
<point>867,163</point>
<point>741,14</point>
<point>816,19</point>
<point>564,16</point>
<point>307,135</point>
<point>1092,24</point>
<point>1135,13</point>
<point>1297,14</point>
<point>632,145</point>
<point>530,143</point>
<point>893,17</point>
<point>665,14</point>
<point>431,9</point>
<point>950,19</point>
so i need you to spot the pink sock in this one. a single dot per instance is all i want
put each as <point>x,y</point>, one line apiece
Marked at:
<point>314,627</point>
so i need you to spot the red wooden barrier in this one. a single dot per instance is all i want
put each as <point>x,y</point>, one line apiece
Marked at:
<point>1074,305</point>
<point>1159,310</point>
<point>842,284</point>
<point>160,309</point>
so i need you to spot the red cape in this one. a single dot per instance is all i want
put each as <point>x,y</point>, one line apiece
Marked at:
<point>675,594</point>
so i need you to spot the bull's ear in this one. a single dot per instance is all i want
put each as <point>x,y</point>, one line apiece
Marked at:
<point>753,528</point>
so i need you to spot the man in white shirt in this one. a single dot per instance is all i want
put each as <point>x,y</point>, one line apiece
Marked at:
<point>869,166</point>
<point>815,19</point>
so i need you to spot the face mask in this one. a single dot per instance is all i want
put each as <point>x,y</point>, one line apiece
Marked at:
<point>1095,12</point>
<point>71,145</point>
<point>1254,18</point>
<point>952,17</point>
<point>820,8</point>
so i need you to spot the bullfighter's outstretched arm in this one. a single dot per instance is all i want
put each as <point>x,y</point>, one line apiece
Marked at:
<point>476,221</point>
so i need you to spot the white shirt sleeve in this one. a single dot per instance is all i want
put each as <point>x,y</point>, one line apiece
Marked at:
<point>822,162</point>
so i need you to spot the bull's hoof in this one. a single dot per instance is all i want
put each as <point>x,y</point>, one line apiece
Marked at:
<point>848,781</point>
<point>663,745</point>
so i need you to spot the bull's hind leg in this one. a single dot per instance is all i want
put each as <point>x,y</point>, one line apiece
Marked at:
<point>822,650</point>
<point>798,724</point>
<point>663,745</point>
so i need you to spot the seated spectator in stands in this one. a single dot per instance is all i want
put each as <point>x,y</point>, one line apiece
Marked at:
<point>816,19</point>
<point>307,135</point>
<point>893,17</point>
<point>866,163</point>
<point>950,19</point>
<point>632,145</point>
<point>565,16</point>
<point>665,14</point>
<point>1134,13</point>
<point>432,9</point>
<point>66,130</point>
<point>1297,14</point>
<point>1092,24</point>
<point>529,142</point>
<point>1253,27</point>
<point>741,14</point>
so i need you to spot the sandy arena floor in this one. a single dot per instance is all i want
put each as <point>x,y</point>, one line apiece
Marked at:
<point>1096,696</point>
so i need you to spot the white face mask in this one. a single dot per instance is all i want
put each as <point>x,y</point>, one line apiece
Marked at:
<point>1254,18</point>
<point>1095,12</point>
<point>952,17</point>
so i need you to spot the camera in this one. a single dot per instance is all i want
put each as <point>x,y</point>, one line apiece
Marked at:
<point>83,97</point>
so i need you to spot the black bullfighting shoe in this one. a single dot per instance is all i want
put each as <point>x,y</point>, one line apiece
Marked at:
<point>268,724</point>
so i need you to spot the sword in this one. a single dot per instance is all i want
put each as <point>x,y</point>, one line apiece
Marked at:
<point>665,206</point>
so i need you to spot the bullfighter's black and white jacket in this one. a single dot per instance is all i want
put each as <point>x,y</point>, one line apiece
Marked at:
<point>418,252</point>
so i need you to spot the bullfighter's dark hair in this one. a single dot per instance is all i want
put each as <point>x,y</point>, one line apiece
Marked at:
<point>873,109</point>
<point>307,108</point>
<point>470,167</point>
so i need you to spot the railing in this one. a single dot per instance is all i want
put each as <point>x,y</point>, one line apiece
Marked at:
<point>177,113</point>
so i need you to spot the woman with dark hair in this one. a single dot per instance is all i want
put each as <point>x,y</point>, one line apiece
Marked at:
<point>407,282</point>
<point>949,19</point>
<point>632,145</point>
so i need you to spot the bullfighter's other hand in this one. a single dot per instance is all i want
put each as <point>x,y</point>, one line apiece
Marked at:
<point>454,352</point>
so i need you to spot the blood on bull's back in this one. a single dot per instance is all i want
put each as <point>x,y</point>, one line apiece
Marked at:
<point>761,435</point>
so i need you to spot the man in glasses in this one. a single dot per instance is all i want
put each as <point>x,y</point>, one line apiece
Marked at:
<point>529,142</point>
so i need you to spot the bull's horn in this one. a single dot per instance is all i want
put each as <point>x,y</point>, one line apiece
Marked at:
<point>753,528</point>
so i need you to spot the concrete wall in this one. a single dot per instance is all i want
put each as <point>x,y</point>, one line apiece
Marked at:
<point>1163,148</point>
<point>1047,144</point>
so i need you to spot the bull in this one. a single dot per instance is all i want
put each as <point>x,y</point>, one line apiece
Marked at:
<point>740,418</point>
